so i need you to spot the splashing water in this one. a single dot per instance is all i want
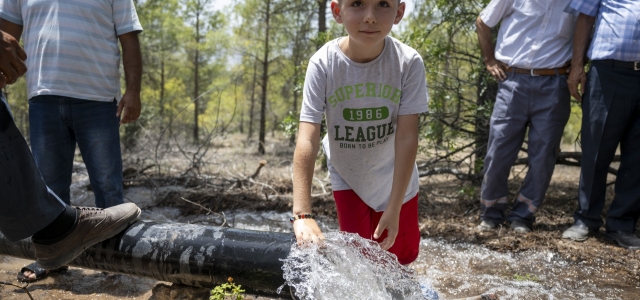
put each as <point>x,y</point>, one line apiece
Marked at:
<point>348,266</point>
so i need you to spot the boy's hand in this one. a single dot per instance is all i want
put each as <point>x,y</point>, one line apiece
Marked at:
<point>389,221</point>
<point>307,230</point>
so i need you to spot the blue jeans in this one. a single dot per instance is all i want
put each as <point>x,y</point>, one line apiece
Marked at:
<point>26,204</point>
<point>56,124</point>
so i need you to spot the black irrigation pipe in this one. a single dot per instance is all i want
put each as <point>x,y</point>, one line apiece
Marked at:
<point>188,254</point>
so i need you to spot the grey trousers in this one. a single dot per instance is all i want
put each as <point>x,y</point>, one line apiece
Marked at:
<point>610,117</point>
<point>541,104</point>
<point>26,203</point>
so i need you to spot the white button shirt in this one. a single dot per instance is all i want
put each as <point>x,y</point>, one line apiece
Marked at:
<point>534,34</point>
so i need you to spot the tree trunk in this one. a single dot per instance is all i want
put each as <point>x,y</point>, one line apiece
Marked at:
<point>485,96</point>
<point>196,102</point>
<point>292,138</point>
<point>322,16</point>
<point>162,79</point>
<point>253,100</point>
<point>265,81</point>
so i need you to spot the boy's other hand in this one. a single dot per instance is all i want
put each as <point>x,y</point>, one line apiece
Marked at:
<point>390,221</point>
<point>307,230</point>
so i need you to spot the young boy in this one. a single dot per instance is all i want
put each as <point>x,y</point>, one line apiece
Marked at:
<point>371,88</point>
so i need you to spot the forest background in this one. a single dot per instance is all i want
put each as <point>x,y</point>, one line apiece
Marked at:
<point>217,67</point>
<point>221,94</point>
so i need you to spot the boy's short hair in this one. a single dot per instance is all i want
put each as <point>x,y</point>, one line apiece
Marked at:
<point>340,1</point>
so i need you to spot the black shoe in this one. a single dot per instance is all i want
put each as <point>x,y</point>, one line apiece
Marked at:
<point>625,239</point>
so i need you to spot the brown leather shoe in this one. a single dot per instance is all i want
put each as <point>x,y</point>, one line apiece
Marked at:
<point>94,225</point>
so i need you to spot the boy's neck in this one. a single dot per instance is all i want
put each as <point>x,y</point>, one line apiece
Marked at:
<point>360,53</point>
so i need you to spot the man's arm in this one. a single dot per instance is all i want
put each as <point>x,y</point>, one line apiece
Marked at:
<point>132,62</point>
<point>406,149</point>
<point>494,66</point>
<point>584,26</point>
<point>304,158</point>
<point>12,56</point>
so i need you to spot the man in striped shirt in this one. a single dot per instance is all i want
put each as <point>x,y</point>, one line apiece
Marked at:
<point>610,95</point>
<point>73,86</point>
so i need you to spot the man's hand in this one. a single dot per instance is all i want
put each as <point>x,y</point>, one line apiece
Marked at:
<point>307,230</point>
<point>132,63</point>
<point>576,77</point>
<point>390,221</point>
<point>130,104</point>
<point>12,58</point>
<point>496,69</point>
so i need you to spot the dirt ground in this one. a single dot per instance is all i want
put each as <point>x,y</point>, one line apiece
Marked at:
<point>449,209</point>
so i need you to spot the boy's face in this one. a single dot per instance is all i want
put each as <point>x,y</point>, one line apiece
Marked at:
<point>368,21</point>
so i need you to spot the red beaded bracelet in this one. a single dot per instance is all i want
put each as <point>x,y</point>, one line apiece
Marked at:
<point>302,216</point>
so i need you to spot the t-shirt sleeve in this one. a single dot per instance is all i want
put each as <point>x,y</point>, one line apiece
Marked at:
<point>414,99</point>
<point>495,11</point>
<point>11,11</point>
<point>125,17</point>
<point>314,93</point>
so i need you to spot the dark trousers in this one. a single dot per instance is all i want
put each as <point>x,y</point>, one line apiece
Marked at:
<point>540,104</point>
<point>26,204</point>
<point>611,117</point>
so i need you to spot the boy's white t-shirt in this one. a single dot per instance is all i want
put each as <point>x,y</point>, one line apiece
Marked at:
<point>362,102</point>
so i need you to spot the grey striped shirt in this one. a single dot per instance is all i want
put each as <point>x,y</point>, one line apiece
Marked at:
<point>72,45</point>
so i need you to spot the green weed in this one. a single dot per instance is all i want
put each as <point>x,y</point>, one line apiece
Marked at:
<point>227,291</point>
<point>526,277</point>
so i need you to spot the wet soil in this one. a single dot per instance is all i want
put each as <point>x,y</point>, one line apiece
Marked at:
<point>449,209</point>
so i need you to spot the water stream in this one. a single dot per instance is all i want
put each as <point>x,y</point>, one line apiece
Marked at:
<point>458,270</point>
<point>455,270</point>
<point>348,266</point>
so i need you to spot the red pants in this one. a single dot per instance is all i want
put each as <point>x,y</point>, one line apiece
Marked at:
<point>357,217</point>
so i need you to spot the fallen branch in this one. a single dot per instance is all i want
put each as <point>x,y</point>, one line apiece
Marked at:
<point>3,284</point>
<point>452,171</point>
<point>257,172</point>
<point>563,157</point>
<point>222,216</point>
<point>322,195</point>
<point>324,191</point>
<point>264,185</point>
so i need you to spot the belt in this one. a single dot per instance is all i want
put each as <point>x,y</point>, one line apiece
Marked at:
<point>541,72</point>
<point>633,65</point>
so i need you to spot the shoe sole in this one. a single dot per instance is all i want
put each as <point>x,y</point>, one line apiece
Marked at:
<point>615,241</point>
<point>575,239</point>
<point>582,239</point>
<point>68,257</point>
<point>483,228</point>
